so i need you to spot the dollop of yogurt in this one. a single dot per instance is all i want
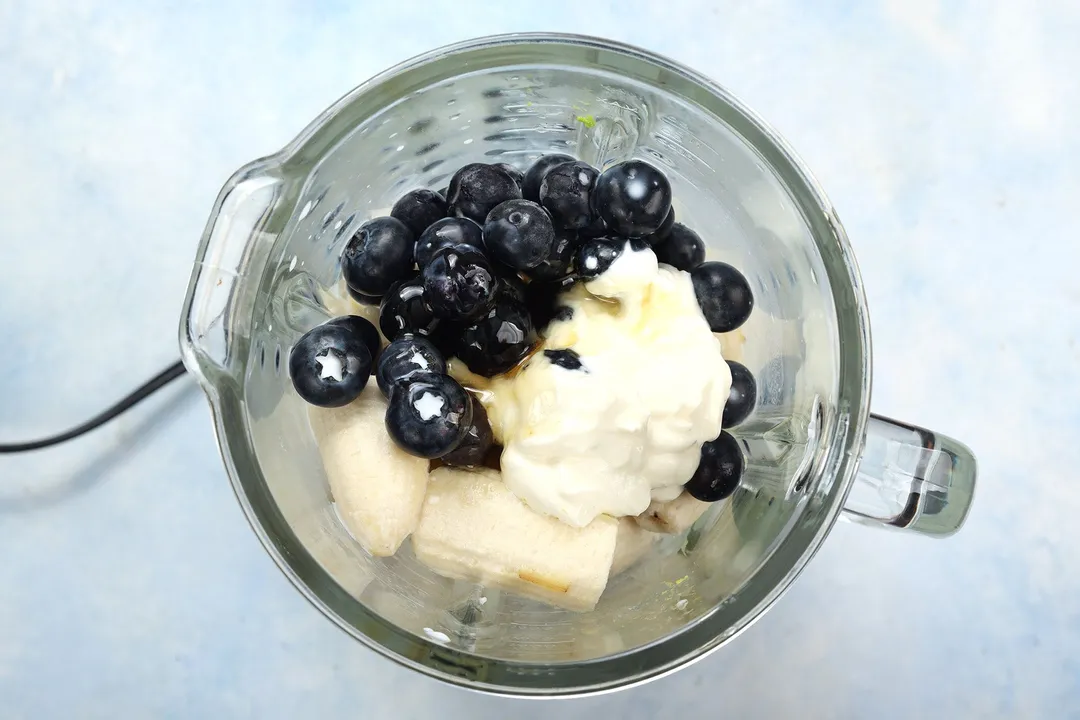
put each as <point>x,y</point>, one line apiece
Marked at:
<point>611,412</point>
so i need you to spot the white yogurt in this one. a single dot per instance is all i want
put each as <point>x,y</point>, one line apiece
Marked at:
<point>627,427</point>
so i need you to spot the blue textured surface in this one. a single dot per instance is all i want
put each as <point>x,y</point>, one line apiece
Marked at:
<point>946,134</point>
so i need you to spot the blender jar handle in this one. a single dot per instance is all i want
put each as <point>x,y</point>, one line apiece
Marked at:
<point>912,478</point>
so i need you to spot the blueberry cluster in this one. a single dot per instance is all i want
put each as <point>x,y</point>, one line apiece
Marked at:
<point>449,273</point>
<point>429,414</point>
<point>474,271</point>
<point>725,299</point>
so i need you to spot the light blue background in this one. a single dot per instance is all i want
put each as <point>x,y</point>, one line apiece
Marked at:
<point>947,135</point>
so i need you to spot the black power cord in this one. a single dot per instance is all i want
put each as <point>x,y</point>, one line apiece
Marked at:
<point>144,391</point>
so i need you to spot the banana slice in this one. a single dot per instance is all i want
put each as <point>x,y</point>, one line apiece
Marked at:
<point>631,542</point>
<point>378,487</point>
<point>473,528</point>
<point>673,517</point>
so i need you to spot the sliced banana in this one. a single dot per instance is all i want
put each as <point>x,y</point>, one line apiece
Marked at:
<point>378,488</point>
<point>473,528</point>
<point>631,542</point>
<point>673,517</point>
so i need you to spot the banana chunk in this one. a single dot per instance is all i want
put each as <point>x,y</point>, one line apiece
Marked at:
<point>473,528</point>
<point>378,487</point>
<point>631,543</point>
<point>673,517</point>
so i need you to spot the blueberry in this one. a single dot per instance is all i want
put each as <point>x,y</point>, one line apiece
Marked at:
<point>477,188</point>
<point>594,257</point>
<point>459,283</point>
<point>406,358</point>
<point>633,198</point>
<point>499,340</point>
<point>741,398</point>
<point>512,285</point>
<point>542,300</point>
<point>447,337</point>
<point>565,193</point>
<point>560,258</point>
<point>378,255</point>
<point>513,172</point>
<point>418,209</point>
<point>665,227</point>
<point>444,233</point>
<point>364,329</point>
<point>405,310</point>
<point>362,298</point>
<point>530,186</point>
<point>518,234</point>
<point>429,416</point>
<point>330,364</point>
<point>682,249</point>
<point>723,294</point>
<point>719,470</point>
<point>478,440</point>
<point>597,228</point>
<point>566,359</point>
